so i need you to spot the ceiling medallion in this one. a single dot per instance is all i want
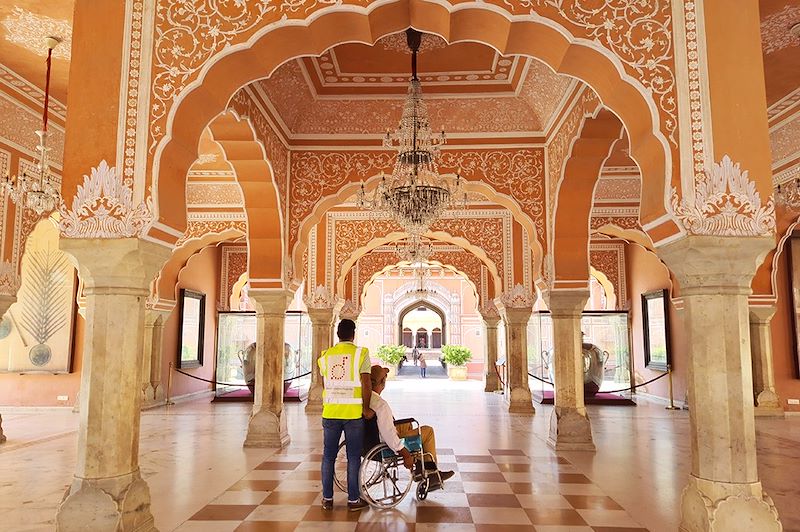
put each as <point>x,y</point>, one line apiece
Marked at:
<point>396,42</point>
<point>39,191</point>
<point>415,195</point>
<point>29,30</point>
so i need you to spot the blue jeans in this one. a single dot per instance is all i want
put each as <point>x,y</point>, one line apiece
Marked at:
<point>354,436</point>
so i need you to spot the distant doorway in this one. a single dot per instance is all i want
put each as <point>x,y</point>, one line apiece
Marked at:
<point>422,325</point>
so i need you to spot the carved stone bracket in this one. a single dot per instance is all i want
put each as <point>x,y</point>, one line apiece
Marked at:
<point>320,298</point>
<point>517,297</point>
<point>9,279</point>
<point>103,207</point>
<point>725,203</point>
<point>350,310</point>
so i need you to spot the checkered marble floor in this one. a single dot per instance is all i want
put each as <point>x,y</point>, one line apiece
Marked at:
<point>494,490</point>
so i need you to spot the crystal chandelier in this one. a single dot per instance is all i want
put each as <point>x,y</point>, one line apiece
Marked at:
<point>414,249</point>
<point>40,190</point>
<point>415,195</point>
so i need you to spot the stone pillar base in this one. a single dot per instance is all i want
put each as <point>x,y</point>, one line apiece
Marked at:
<point>570,430</point>
<point>492,382</point>
<point>720,507</point>
<point>768,404</point>
<point>267,429</point>
<point>119,504</point>
<point>314,401</point>
<point>153,396</point>
<point>521,401</point>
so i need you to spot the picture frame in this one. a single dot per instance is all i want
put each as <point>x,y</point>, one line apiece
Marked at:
<point>794,287</point>
<point>655,324</point>
<point>192,328</point>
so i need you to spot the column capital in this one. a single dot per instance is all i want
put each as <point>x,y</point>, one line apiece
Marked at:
<point>350,310</point>
<point>116,263</point>
<point>322,316</point>
<point>10,280</point>
<point>712,264</point>
<point>320,298</point>
<point>271,301</point>
<point>568,302</point>
<point>761,314</point>
<point>490,314</point>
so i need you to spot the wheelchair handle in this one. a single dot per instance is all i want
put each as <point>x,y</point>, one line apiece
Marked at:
<point>405,420</point>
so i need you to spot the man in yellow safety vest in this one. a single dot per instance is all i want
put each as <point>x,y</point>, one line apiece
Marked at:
<point>345,369</point>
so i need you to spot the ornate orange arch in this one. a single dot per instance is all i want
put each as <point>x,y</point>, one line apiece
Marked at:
<point>243,151</point>
<point>542,37</point>
<point>571,227</point>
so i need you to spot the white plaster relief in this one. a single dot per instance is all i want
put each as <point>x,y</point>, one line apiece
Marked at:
<point>320,298</point>
<point>9,279</point>
<point>775,34</point>
<point>517,297</point>
<point>725,203</point>
<point>103,207</point>
<point>30,30</point>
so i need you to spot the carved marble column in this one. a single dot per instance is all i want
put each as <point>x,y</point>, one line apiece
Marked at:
<point>767,401</point>
<point>9,286</point>
<point>321,307</point>
<point>267,425</point>
<point>516,307</point>
<point>714,275</point>
<point>570,429</point>
<point>491,319</point>
<point>107,491</point>
<point>152,391</point>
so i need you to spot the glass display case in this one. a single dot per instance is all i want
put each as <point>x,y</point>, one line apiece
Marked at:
<point>607,330</point>
<point>236,336</point>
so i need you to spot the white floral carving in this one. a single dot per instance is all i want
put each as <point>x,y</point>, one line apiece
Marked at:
<point>489,310</point>
<point>350,310</point>
<point>725,203</point>
<point>206,158</point>
<point>396,42</point>
<point>9,279</point>
<point>638,32</point>
<point>103,207</point>
<point>517,297</point>
<point>320,298</point>
<point>30,30</point>
<point>775,34</point>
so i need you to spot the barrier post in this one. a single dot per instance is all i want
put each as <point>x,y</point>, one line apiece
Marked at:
<point>167,401</point>
<point>671,398</point>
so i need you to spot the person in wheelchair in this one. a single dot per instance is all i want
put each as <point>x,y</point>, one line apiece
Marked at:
<point>391,433</point>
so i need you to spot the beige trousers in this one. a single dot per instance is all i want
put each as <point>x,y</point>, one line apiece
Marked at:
<point>428,438</point>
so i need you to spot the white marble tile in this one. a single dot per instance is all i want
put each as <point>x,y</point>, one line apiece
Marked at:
<point>241,497</point>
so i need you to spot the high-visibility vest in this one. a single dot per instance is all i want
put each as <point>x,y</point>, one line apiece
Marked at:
<point>339,366</point>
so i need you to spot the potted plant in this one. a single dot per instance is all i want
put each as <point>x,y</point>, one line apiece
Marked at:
<point>456,358</point>
<point>391,355</point>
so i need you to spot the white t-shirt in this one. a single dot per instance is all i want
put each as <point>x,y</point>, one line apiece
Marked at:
<point>385,422</point>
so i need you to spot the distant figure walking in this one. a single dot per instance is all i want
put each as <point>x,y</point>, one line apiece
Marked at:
<point>423,366</point>
<point>415,355</point>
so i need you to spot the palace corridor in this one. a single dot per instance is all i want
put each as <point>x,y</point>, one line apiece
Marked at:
<point>191,454</point>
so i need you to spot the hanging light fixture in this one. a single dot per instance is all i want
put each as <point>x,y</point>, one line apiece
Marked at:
<point>40,190</point>
<point>415,195</point>
<point>414,249</point>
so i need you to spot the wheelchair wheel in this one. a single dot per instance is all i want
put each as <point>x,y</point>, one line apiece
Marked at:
<point>422,489</point>
<point>340,468</point>
<point>384,479</point>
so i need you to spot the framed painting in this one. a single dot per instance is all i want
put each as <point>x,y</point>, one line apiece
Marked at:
<point>794,286</point>
<point>190,335</point>
<point>655,320</point>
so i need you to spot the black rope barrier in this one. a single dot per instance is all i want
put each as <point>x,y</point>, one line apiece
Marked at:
<point>233,384</point>
<point>609,391</point>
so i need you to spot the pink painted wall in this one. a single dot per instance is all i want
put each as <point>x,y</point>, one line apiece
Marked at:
<point>646,273</point>
<point>201,274</point>
<point>783,349</point>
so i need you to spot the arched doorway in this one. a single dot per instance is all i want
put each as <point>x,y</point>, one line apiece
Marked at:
<point>420,319</point>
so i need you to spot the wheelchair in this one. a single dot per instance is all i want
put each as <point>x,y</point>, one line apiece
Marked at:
<point>383,479</point>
